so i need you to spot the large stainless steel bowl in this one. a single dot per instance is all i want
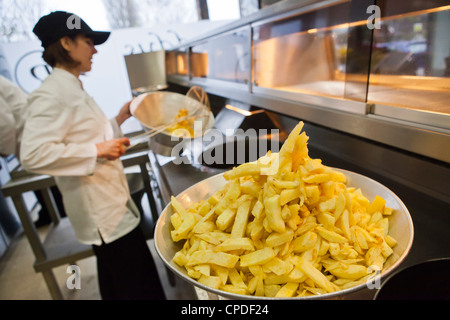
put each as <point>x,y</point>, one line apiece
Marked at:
<point>400,227</point>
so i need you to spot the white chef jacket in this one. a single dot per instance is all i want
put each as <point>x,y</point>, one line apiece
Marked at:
<point>13,100</point>
<point>62,127</point>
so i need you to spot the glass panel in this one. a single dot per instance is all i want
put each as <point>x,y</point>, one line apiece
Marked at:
<point>411,57</point>
<point>177,62</point>
<point>171,62</point>
<point>226,57</point>
<point>305,53</point>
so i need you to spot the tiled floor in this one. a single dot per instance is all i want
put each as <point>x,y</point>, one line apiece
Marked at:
<point>19,281</point>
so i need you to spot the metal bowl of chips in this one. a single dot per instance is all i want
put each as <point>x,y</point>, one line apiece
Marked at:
<point>160,109</point>
<point>400,227</point>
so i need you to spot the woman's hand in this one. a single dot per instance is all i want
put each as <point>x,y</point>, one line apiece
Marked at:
<point>124,113</point>
<point>112,149</point>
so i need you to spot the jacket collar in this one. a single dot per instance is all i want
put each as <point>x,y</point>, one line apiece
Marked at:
<point>68,76</point>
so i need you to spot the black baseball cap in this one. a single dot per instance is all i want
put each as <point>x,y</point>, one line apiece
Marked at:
<point>54,26</point>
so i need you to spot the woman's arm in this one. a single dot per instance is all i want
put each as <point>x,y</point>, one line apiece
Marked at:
<point>112,149</point>
<point>124,113</point>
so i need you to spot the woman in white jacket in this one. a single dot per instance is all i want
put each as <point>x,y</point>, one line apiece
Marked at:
<point>68,136</point>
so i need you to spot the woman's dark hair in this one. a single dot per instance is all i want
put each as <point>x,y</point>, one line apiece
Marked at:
<point>55,53</point>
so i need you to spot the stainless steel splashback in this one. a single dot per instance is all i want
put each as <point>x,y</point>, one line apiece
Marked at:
<point>146,71</point>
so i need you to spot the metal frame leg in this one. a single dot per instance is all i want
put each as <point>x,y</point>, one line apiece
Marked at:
<point>52,285</point>
<point>36,245</point>
<point>29,228</point>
